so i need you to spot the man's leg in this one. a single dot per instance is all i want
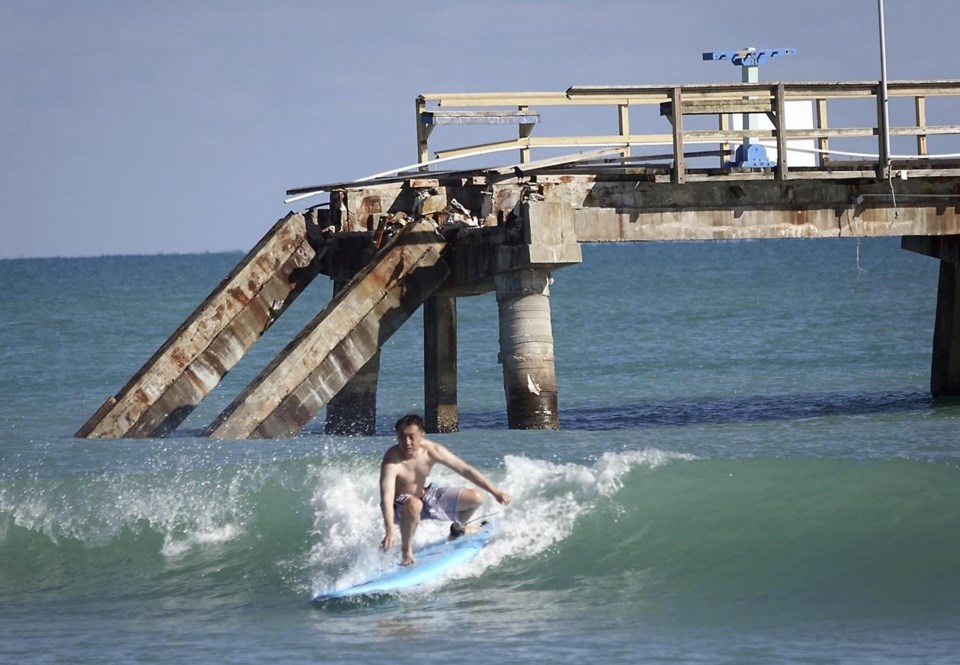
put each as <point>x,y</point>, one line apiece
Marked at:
<point>409,521</point>
<point>468,501</point>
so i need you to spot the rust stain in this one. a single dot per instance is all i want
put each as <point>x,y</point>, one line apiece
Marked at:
<point>370,205</point>
<point>179,358</point>
<point>266,263</point>
<point>238,295</point>
<point>141,396</point>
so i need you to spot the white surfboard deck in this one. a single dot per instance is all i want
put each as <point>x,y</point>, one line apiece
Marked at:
<point>433,561</point>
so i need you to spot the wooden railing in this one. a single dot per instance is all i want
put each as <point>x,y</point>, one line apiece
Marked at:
<point>679,102</point>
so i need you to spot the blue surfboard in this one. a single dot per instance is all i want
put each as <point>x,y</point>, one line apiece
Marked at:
<point>433,561</point>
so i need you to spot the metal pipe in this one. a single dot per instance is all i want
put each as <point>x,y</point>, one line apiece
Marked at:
<point>884,99</point>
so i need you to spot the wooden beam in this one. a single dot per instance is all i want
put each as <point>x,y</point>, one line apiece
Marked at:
<point>676,117</point>
<point>920,105</point>
<point>623,118</point>
<point>823,143</point>
<point>709,107</point>
<point>781,127</point>
<point>423,133</point>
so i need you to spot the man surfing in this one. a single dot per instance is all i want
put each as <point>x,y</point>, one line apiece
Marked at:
<point>406,496</point>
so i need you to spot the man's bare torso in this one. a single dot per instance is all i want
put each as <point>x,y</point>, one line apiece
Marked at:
<point>411,474</point>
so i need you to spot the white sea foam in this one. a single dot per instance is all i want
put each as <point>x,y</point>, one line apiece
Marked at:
<point>187,512</point>
<point>547,500</point>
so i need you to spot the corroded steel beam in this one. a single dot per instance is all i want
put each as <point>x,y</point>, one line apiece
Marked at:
<point>333,347</point>
<point>213,338</point>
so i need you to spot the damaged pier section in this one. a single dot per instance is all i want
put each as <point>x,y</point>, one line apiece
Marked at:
<point>392,244</point>
<point>389,250</point>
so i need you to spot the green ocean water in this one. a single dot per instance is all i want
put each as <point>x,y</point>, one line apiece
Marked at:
<point>750,470</point>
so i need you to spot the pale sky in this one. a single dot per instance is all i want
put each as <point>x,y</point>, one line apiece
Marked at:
<point>139,127</point>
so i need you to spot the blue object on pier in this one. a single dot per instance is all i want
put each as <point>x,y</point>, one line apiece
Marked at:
<point>753,156</point>
<point>748,57</point>
<point>749,154</point>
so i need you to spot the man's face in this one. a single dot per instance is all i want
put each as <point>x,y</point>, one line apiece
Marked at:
<point>409,439</point>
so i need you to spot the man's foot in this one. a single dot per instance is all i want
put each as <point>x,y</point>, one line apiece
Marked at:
<point>408,560</point>
<point>457,529</point>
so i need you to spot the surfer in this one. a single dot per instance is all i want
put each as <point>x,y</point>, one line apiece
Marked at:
<point>406,496</point>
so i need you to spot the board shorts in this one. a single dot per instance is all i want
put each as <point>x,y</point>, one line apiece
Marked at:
<point>439,503</point>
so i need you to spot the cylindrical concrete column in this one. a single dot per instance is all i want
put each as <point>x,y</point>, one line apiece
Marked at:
<point>526,349</point>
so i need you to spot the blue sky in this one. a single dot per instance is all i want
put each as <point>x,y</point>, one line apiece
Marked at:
<point>167,127</point>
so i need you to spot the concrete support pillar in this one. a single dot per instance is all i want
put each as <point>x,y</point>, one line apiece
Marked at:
<point>440,365</point>
<point>353,410</point>
<point>945,364</point>
<point>945,368</point>
<point>526,349</point>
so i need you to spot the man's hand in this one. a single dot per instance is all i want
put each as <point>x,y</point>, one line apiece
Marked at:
<point>388,541</point>
<point>503,498</point>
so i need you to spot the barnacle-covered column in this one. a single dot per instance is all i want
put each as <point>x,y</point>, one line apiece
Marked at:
<point>526,349</point>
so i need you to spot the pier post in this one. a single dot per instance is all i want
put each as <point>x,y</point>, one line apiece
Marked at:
<point>526,349</point>
<point>353,410</point>
<point>440,364</point>
<point>945,363</point>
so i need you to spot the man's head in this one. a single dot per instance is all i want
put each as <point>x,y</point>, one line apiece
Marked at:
<point>408,420</point>
<point>410,431</point>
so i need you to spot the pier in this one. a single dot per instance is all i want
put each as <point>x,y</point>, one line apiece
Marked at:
<point>425,235</point>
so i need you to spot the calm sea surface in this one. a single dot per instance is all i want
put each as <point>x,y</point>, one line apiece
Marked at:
<point>751,470</point>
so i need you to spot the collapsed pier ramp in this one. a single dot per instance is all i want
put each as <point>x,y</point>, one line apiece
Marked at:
<point>340,340</point>
<point>193,360</point>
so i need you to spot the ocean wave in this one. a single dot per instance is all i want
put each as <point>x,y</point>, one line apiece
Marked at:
<point>669,528</point>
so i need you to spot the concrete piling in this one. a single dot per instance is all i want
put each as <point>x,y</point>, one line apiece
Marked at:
<point>945,363</point>
<point>440,364</point>
<point>353,410</point>
<point>526,349</point>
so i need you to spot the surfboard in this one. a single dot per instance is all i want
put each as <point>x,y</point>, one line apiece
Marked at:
<point>433,561</point>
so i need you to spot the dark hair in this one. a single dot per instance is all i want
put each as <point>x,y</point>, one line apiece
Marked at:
<point>408,420</point>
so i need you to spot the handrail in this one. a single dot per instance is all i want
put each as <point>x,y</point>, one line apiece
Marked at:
<point>719,99</point>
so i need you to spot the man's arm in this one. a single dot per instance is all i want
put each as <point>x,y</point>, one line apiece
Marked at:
<point>453,462</point>
<point>388,486</point>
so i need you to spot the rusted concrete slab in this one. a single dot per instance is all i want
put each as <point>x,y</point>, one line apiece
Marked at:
<point>333,347</point>
<point>735,206</point>
<point>213,338</point>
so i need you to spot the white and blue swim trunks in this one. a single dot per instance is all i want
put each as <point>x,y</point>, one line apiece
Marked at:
<point>439,503</point>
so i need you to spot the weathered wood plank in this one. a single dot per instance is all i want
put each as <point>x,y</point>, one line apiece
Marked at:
<point>711,107</point>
